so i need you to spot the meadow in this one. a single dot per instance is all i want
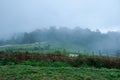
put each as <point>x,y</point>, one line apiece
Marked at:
<point>34,62</point>
<point>27,72</point>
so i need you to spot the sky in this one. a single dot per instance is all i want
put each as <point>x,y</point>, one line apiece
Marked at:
<point>28,15</point>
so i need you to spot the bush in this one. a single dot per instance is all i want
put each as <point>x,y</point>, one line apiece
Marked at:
<point>58,60</point>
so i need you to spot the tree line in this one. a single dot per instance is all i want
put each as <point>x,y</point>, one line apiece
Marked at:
<point>85,38</point>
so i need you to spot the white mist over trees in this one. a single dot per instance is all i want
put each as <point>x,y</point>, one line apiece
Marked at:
<point>84,38</point>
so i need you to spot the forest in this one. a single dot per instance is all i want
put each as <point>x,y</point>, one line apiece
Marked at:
<point>85,39</point>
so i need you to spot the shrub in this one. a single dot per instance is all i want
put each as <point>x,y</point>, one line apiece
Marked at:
<point>58,60</point>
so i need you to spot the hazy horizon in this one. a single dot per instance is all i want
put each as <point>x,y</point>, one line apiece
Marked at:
<point>28,15</point>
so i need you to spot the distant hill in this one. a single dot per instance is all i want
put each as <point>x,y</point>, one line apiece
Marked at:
<point>77,38</point>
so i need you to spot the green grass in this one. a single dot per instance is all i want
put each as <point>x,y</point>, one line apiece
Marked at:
<point>53,46</point>
<point>51,71</point>
<point>26,72</point>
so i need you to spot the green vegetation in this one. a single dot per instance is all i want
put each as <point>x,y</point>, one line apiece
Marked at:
<point>42,47</point>
<point>58,59</point>
<point>76,39</point>
<point>22,72</point>
<point>35,62</point>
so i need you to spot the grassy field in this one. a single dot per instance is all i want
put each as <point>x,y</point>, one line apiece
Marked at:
<point>36,47</point>
<point>30,62</point>
<point>26,72</point>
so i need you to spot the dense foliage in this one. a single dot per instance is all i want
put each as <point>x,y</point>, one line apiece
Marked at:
<point>58,59</point>
<point>84,38</point>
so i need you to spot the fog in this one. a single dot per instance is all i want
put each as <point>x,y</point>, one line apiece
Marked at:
<point>89,24</point>
<point>28,15</point>
<point>76,39</point>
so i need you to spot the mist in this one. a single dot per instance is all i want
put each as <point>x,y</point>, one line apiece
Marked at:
<point>75,39</point>
<point>28,15</point>
<point>89,24</point>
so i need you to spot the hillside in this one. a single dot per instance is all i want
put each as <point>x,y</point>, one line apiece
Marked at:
<point>72,39</point>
